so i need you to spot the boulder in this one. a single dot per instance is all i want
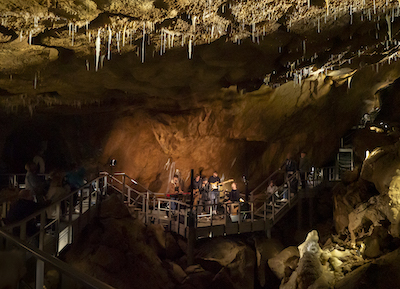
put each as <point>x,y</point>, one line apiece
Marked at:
<point>173,250</point>
<point>237,258</point>
<point>155,236</point>
<point>113,207</point>
<point>372,248</point>
<point>198,280</point>
<point>284,259</point>
<point>381,273</point>
<point>265,249</point>
<point>176,271</point>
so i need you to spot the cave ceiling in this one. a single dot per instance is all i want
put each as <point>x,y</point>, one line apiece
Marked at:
<point>176,54</point>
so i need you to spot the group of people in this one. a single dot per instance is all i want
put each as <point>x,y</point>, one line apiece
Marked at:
<point>290,167</point>
<point>206,191</point>
<point>40,192</point>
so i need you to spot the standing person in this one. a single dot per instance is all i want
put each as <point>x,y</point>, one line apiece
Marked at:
<point>205,191</point>
<point>174,190</point>
<point>196,189</point>
<point>39,161</point>
<point>304,168</point>
<point>34,183</point>
<point>214,181</point>
<point>290,167</point>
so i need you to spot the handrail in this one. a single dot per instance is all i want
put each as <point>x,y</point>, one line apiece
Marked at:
<point>265,181</point>
<point>66,269</point>
<point>56,202</point>
<point>131,179</point>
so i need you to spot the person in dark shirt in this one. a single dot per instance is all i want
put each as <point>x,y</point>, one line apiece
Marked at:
<point>234,195</point>
<point>214,181</point>
<point>205,191</point>
<point>304,168</point>
<point>197,182</point>
<point>22,208</point>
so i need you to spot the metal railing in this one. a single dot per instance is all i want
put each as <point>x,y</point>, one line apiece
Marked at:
<point>18,180</point>
<point>70,213</point>
<point>49,237</point>
<point>272,206</point>
<point>69,276</point>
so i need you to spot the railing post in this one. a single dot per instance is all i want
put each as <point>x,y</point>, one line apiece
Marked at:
<point>123,188</point>
<point>273,207</point>
<point>147,207</point>
<point>158,211</point>
<point>40,263</point>
<point>22,231</point>
<point>39,273</point>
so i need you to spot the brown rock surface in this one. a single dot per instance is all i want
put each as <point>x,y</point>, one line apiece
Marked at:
<point>117,253</point>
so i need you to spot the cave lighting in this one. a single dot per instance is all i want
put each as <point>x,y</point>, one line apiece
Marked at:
<point>367,154</point>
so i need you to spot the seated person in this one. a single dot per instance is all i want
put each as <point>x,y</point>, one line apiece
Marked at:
<point>271,189</point>
<point>234,195</point>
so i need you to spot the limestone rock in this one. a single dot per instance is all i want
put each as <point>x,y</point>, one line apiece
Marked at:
<point>113,208</point>
<point>198,280</point>
<point>382,273</point>
<point>155,235</point>
<point>282,260</point>
<point>265,249</point>
<point>194,269</point>
<point>118,254</point>
<point>176,271</point>
<point>372,248</point>
<point>235,257</point>
<point>310,244</point>
<point>112,259</point>
<point>12,268</point>
<point>309,269</point>
<point>173,250</point>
